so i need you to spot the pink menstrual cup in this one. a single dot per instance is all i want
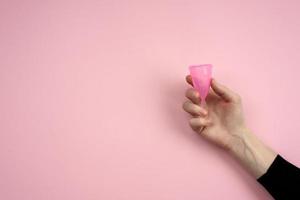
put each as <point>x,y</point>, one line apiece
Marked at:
<point>201,76</point>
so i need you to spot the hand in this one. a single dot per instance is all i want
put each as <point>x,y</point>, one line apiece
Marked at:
<point>221,121</point>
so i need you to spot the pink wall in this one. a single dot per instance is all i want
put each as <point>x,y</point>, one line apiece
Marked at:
<point>91,94</point>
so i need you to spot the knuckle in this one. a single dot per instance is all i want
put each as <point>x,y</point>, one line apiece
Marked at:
<point>192,122</point>
<point>188,92</point>
<point>195,94</point>
<point>189,107</point>
<point>185,105</point>
<point>191,93</point>
<point>194,127</point>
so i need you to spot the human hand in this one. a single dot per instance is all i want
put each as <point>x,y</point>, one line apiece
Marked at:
<point>221,120</point>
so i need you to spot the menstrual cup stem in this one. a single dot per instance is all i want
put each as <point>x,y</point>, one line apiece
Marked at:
<point>202,103</point>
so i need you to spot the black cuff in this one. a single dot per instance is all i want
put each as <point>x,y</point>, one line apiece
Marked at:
<point>282,180</point>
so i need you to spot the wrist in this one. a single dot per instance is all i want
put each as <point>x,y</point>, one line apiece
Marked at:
<point>240,138</point>
<point>252,153</point>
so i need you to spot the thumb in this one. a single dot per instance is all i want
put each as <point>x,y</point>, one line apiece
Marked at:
<point>222,91</point>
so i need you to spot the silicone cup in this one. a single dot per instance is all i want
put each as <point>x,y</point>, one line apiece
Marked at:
<point>201,76</point>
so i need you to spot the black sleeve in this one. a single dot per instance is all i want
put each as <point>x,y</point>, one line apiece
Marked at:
<point>282,180</point>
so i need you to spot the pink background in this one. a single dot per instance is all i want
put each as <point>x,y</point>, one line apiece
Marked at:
<point>91,95</point>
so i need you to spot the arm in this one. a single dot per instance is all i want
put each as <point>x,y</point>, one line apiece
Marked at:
<point>221,122</point>
<point>254,155</point>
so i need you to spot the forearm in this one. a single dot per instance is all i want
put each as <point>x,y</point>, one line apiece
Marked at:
<point>252,153</point>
